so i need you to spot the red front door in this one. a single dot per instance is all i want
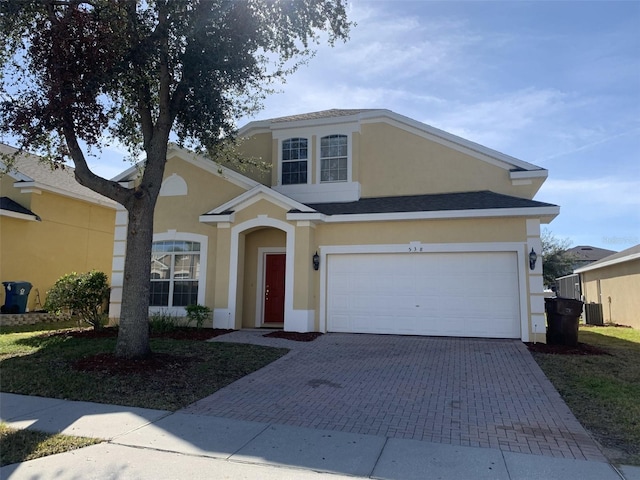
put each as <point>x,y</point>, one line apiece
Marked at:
<point>274,287</point>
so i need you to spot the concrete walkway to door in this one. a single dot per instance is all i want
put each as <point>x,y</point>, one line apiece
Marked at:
<point>470,392</point>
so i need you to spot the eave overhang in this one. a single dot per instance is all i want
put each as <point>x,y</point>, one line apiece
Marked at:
<point>545,214</point>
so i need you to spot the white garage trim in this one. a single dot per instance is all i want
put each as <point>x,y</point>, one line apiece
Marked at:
<point>417,248</point>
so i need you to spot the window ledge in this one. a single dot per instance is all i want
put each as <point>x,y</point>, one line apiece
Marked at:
<point>321,193</point>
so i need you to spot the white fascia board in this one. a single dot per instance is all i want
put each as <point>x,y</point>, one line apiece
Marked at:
<point>264,126</point>
<point>615,261</point>
<point>304,216</point>
<point>437,215</point>
<point>258,192</point>
<point>128,174</point>
<point>26,186</point>
<point>15,174</point>
<point>20,216</point>
<point>520,175</point>
<point>254,128</point>
<point>229,218</point>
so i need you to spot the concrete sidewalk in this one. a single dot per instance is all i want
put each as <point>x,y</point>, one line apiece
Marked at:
<point>155,444</point>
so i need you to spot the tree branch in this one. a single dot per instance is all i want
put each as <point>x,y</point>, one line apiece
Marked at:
<point>83,173</point>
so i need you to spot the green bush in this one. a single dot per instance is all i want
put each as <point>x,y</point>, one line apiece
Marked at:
<point>198,314</point>
<point>84,294</point>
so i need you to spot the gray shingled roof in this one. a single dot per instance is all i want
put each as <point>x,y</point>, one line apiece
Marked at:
<point>624,255</point>
<point>589,253</point>
<point>9,205</point>
<point>481,200</point>
<point>334,112</point>
<point>60,179</point>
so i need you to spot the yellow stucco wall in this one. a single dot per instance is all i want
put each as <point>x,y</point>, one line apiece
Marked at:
<point>431,231</point>
<point>206,191</point>
<point>388,160</point>
<point>257,148</point>
<point>393,161</point>
<point>619,287</point>
<point>73,236</point>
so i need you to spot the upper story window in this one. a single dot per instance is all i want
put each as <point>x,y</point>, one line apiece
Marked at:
<point>175,269</point>
<point>294,161</point>
<point>333,158</point>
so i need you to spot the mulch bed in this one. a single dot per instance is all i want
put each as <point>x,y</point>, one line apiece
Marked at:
<point>580,349</point>
<point>109,363</point>
<point>295,336</point>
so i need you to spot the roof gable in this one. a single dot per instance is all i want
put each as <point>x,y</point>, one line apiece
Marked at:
<point>198,160</point>
<point>225,211</point>
<point>519,169</point>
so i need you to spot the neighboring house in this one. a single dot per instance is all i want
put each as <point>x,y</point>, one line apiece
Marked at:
<point>50,225</point>
<point>569,285</point>
<point>585,254</point>
<point>614,283</point>
<point>366,221</point>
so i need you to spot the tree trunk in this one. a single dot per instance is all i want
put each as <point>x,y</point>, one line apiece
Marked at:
<point>133,334</point>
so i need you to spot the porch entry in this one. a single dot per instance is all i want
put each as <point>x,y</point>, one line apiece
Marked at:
<point>274,279</point>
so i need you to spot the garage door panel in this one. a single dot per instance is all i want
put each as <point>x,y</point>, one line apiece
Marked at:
<point>453,294</point>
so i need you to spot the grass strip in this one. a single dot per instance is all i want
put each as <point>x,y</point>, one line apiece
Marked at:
<point>602,391</point>
<point>21,445</point>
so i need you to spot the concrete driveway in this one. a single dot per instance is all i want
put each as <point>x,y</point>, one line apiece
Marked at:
<point>473,392</point>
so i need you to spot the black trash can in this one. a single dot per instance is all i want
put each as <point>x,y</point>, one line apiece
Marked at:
<point>563,316</point>
<point>15,298</point>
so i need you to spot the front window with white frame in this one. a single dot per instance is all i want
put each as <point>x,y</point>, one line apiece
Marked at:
<point>333,158</point>
<point>175,270</point>
<point>295,155</point>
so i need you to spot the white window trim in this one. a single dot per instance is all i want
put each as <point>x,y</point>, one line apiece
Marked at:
<point>349,158</point>
<point>309,140</point>
<point>202,277</point>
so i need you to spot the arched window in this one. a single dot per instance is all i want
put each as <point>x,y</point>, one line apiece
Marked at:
<point>333,158</point>
<point>175,270</point>
<point>294,161</point>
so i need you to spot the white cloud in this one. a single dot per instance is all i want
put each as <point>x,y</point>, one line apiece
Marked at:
<point>496,122</point>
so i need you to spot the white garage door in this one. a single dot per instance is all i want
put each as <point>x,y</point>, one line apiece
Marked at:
<point>449,294</point>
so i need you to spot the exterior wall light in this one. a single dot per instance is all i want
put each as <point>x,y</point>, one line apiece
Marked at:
<point>316,261</point>
<point>533,257</point>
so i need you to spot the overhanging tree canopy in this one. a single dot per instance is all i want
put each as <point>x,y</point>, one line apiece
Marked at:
<point>77,74</point>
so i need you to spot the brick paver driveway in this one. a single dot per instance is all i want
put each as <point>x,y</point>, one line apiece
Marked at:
<point>475,392</point>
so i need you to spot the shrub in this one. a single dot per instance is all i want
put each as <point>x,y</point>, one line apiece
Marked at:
<point>84,294</point>
<point>198,314</point>
<point>162,322</point>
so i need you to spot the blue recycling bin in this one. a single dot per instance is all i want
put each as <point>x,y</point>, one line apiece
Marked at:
<point>15,298</point>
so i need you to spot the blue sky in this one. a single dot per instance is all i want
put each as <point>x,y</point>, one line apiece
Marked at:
<point>554,83</point>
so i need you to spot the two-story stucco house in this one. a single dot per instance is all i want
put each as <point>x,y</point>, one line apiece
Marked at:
<point>366,221</point>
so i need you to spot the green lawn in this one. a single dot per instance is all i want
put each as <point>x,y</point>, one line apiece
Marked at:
<point>183,371</point>
<point>603,391</point>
